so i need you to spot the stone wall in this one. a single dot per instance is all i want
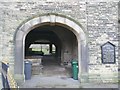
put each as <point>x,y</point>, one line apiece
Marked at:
<point>13,14</point>
<point>119,31</point>
<point>102,26</point>
<point>99,20</point>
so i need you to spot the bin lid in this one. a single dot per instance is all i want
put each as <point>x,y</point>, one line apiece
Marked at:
<point>27,61</point>
<point>74,62</point>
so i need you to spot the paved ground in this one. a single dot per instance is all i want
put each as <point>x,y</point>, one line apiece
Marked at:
<point>62,82</point>
<point>99,85</point>
<point>59,78</point>
<point>55,76</point>
<point>51,82</point>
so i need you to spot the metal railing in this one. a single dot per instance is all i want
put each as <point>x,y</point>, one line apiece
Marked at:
<point>7,77</point>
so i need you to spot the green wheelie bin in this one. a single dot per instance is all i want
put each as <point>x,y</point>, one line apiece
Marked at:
<point>74,69</point>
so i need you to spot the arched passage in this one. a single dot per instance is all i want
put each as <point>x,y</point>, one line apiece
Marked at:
<point>43,35</point>
<point>51,20</point>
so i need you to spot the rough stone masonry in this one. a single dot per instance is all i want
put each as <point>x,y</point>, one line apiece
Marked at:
<point>99,19</point>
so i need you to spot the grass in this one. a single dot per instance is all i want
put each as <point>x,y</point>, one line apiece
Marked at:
<point>118,81</point>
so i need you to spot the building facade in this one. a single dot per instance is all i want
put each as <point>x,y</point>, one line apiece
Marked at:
<point>84,30</point>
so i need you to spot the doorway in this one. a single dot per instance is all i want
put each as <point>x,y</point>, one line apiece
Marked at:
<point>53,47</point>
<point>67,25</point>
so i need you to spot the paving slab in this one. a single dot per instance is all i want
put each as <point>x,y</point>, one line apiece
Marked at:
<point>51,82</point>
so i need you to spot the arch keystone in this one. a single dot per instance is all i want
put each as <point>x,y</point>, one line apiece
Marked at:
<point>52,18</point>
<point>45,19</point>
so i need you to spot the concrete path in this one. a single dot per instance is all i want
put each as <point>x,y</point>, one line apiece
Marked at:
<point>51,82</point>
<point>98,85</point>
<point>62,82</point>
<point>55,76</point>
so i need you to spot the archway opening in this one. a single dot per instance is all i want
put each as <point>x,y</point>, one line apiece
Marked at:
<point>54,47</point>
<point>64,25</point>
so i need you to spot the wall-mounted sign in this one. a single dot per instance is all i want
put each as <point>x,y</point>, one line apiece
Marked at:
<point>108,53</point>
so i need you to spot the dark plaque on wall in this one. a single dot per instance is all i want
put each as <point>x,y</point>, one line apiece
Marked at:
<point>108,53</point>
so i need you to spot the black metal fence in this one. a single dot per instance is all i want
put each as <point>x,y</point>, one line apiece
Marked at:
<point>7,82</point>
<point>4,75</point>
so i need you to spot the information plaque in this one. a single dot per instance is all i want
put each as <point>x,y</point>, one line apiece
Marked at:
<point>108,53</point>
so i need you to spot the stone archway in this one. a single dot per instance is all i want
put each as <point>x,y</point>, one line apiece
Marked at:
<point>52,19</point>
